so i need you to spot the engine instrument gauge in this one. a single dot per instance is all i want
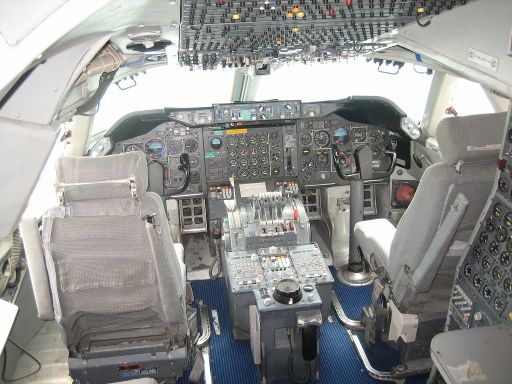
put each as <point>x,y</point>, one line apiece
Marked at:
<point>483,238</point>
<point>468,270</point>
<point>494,248</point>
<point>132,147</point>
<point>174,147</point>
<point>155,148</point>
<point>321,139</point>
<point>190,145</point>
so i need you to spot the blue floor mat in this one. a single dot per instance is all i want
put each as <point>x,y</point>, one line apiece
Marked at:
<point>231,360</point>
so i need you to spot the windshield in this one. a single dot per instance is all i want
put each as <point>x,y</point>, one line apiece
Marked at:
<point>164,87</point>
<point>178,87</point>
<point>330,81</point>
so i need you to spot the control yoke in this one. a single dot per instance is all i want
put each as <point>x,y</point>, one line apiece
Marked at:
<point>185,168</point>
<point>363,162</point>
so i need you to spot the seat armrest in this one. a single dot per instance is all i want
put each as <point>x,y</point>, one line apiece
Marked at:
<point>374,237</point>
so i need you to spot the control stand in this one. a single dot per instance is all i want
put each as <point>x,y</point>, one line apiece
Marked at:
<point>279,286</point>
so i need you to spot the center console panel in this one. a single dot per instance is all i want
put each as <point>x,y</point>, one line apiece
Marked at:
<point>278,283</point>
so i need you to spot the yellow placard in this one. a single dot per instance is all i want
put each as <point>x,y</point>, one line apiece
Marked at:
<point>238,131</point>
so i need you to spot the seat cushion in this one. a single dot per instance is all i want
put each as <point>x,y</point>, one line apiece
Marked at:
<point>374,237</point>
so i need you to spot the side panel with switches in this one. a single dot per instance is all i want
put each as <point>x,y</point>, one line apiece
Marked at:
<point>482,292</point>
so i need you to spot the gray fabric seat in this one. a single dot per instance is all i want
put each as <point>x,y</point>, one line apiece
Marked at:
<point>470,146</point>
<point>115,278</point>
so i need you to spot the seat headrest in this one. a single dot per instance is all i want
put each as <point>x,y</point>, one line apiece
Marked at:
<point>89,178</point>
<point>473,138</point>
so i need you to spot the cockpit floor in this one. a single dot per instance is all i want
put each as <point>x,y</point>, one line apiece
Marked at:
<point>231,360</point>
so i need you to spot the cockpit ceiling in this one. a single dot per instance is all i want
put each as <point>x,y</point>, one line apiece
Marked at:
<point>237,33</point>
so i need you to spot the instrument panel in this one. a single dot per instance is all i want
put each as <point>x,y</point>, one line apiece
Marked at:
<point>293,141</point>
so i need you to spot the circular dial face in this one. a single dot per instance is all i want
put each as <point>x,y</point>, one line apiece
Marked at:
<point>322,158</point>
<point>477,281</point>
<point>483,238</point>
<point>155,148</point>
<point>505,259</point>
<point>494,248</point>
<point>507,284</point>
<point>190,145</point>
<point>232,141</point>
<point>322,139</point>
<point>508,220</point>
<point>468,270</point>
<point>242,140</point>
<point>497,210</point>
<point>477,252</point>
<point>490,224</point>
<point>215,143</point>
<point>132,147</point>
<point>497,273</point>
<point>341,136</point>
<point>498,304</point>
<point>502,185</point>
<point>374,136</point>
<point>359,134</point>
<point>305,139</point>
<point>232,152</point>
<point>486,261</point>
<point>253,140</point>
<point>174,147</point>
<point>307,164</point>
<point>501,233</point>
<point>487,292</point>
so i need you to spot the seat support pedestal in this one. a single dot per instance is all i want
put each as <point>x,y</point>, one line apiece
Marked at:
<point>354,273</point>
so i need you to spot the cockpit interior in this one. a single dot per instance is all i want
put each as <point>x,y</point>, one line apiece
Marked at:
<point>256,191</point>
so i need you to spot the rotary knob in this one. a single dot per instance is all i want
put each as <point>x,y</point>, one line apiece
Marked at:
<point>287,292</point>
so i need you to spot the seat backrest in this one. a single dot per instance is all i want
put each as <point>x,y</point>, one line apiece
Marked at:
<point>108,251</point>
<point>470,146</point>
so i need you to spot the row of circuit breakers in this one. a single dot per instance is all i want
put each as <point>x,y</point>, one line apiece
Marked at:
<point>237,33</point>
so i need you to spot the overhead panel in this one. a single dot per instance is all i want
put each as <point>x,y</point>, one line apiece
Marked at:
<point>237,33</point>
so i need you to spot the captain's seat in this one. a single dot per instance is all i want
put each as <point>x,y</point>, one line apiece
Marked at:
<point>469,146</point>
<point>109,273</point>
